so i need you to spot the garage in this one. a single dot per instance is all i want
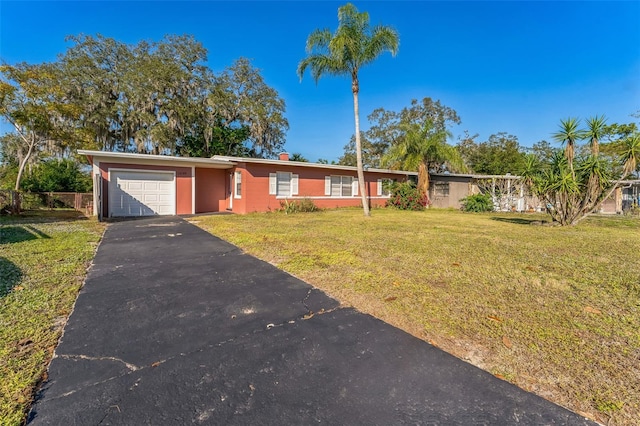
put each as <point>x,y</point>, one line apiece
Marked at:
<point>141,193</point>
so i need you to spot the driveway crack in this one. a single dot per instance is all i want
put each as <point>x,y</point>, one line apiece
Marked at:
<point>135,368</point>
<point>130,366</point>
<point>310,313</point>
<point>304,301</point>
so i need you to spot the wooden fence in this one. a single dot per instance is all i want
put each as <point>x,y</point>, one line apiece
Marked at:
<point>16,201</point>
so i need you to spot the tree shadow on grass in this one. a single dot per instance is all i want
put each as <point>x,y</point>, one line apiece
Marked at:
<point>520,220</point>
<point>10,275</point>
<point>20,233</point>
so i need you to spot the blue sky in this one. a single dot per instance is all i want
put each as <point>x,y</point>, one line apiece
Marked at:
<point>507,66</point>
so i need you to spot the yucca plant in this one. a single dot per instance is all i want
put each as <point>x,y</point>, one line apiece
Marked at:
<point>574,187</point>
<point>594,132</point>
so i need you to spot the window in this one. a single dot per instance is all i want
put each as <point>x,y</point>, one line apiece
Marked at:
<point>340,186</point>
<point>384,187</point>
<point>283,184</point>
<point>238,185</point>
<point>441,189</point>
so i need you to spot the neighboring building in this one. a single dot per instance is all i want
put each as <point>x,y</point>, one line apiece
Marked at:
<point>446,190</point>
<point>142,185</point>
<point>630,194</point>
<point>509,194</point>
<point>624,198</point>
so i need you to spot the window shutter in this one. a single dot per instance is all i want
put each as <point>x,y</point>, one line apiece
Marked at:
<point>327,185</point>
<point>294,184</point>
<point>379,187</point>
<point>273,184</point>
<point>354,186</point>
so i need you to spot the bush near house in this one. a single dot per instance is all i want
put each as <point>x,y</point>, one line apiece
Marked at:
<point>305,205</point>
<point>406,196</point>
<point>477,203</point>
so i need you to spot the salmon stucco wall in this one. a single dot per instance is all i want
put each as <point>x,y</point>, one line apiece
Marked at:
<point>255,195</point>
<point>211,190</point>
<point>183,184</point>
<point>238,203</point>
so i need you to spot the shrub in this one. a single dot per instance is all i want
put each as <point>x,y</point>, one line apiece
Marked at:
<point>56,175</point>
<point>634,210</point>
<point>405,196</point>
<point>298,206</point>
<point>477,203</point>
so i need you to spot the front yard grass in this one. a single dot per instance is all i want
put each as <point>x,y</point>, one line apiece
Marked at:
<point>43,260</point>
<point>554,310</point>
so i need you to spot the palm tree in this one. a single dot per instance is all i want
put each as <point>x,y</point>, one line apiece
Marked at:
<point>296,156</point>
<point>425,149</point>
<point>568,135</point>
<point>531,170</point>
<point>594,132</point>
<point>353,45</point>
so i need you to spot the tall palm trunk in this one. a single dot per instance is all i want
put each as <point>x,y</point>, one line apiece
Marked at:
<point>360,166</point>
<point>423,179</point>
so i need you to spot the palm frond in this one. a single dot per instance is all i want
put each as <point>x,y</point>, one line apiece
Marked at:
<point>595,132</point>
<point>593,169</point>
<point>318,40</point>
<point>352,45</point>
<point>320,65</point>
<point>567,135</point>
<point>630,154</point>
<point>383,39</point>
<point>568,132</point>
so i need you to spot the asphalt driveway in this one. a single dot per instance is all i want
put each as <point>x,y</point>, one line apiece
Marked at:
<point>175,326</point>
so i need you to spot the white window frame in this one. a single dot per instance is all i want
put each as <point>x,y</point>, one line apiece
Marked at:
<point>274,184</point>
<point>382,191</point>
<point>328,186</point>
<point>237,185</point>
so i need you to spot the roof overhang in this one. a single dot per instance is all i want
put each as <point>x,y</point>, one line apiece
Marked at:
<point>474,176</point>
<point>216,162</point>
<point>155,160</point>
<point>308,165</point>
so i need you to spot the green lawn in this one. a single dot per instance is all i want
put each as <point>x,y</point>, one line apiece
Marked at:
<point>43,261</point>
<point>554,310</point>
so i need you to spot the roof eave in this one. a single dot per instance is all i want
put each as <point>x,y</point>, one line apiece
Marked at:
<point>309,165</point>
<point>185,161</point>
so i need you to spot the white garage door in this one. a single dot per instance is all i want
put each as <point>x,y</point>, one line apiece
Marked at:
<point>141,193</point>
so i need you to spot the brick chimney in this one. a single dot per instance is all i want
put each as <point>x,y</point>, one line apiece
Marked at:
<point>284,156</point>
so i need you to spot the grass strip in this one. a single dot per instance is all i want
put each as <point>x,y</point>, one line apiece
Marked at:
<point>44,256</point>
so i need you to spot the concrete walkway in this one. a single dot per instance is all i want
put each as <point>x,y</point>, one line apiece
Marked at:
<point>175,326</point>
